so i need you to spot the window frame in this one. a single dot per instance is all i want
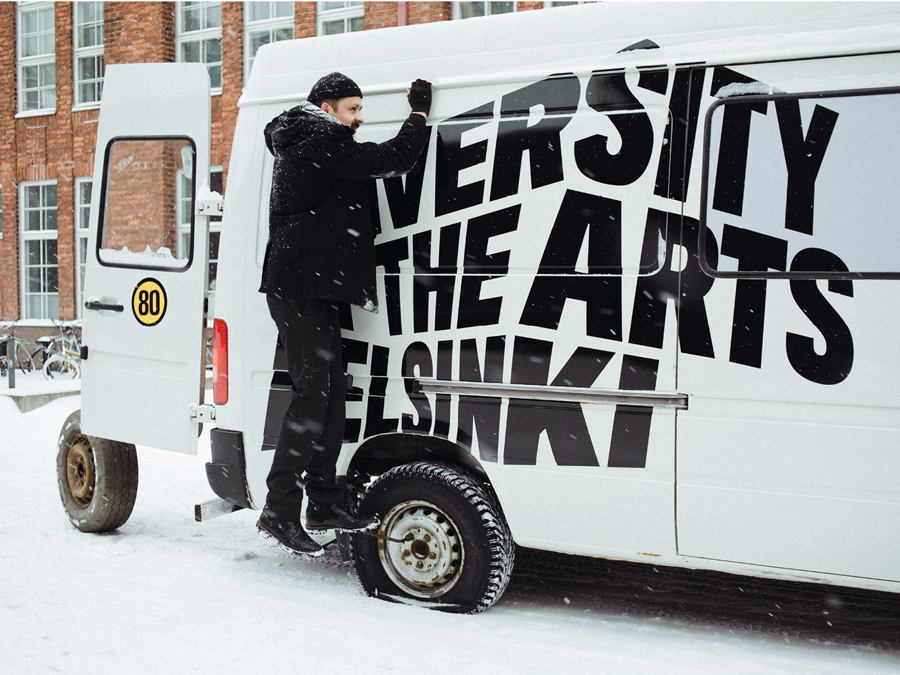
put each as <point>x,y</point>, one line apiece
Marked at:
<point>93,51</point>
<point>40,235</point>
<point>271,24</point>
<point>39,61</point>
<point>457,9</point>
<point>345,14</point>
<point>82,228</point>
<point>705,185</point>
<point>101,216</point>
<point>184,229</point>
<point>200,35</point>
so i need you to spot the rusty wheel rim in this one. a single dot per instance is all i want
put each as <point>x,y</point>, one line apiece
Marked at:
<point>426,556</point>
<point>80,472</point>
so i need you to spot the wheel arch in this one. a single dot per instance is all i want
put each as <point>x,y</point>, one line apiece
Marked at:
<point>381,453</point>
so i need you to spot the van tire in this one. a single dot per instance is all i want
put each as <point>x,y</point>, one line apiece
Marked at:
<point>97,478</point>
<point>460,553</point>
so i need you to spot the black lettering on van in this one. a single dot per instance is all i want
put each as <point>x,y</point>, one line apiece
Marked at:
<point>480,415</point>
<point>563,422</point>
<point>755,252</point>
<point>734,143</point>
<point>388,255</point>
<point>631,425</point>
<point>653,292</point>
<point>833,366</point>
<point>404,193</point>
<point>583,220</point>
<point>803,157</point>
<point>608,93</point>
<point>444,371</point>
<point>375,420</point>
<point>480,266</point>
<point>353,351</point>
<point>452,157</point>
<point>417,363</point>
<point>439,280</point>
<point>558,96</point>
<point>678,150</point>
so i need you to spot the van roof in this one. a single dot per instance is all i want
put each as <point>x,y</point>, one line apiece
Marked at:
<point>580,38</point>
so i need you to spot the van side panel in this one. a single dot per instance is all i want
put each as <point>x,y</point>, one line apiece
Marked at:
<point>556,299</point>
<point>788,454</point>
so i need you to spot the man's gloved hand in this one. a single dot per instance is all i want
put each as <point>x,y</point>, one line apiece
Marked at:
<point>419,96</point>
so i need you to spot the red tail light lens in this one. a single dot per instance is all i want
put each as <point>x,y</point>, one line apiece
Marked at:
<point>220,362</point>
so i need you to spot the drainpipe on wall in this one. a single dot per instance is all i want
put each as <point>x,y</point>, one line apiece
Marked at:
<point>401,13</point>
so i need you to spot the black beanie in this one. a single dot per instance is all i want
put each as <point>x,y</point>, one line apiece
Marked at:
<point>335,85</point>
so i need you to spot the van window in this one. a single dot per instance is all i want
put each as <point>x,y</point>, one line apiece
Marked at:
<point>803,186</point>
<point>148,190</point>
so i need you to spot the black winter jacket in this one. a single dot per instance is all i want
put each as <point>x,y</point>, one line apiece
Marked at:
<point>321,242</point>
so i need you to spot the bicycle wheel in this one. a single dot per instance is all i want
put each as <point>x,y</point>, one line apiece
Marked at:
<point>61,368</point>
<point>23,359</point>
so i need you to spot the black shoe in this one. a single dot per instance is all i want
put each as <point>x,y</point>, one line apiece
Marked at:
<point>321,517</point>
<point>291,535</point>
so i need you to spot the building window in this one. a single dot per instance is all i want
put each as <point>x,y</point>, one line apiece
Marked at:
<point>467,10</point>
<point>183,197</point>
<point>339,17</point>
<point>40,283</point>
<point>37,57</point>
<point>82,220</point>
<point>265,22</point>
<point>198,38</point>
<point>88,52</point>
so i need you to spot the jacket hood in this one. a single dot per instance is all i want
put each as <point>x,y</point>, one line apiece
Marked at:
<point>299,126</point>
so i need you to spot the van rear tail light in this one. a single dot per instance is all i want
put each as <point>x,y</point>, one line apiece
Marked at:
<point>220,362</point>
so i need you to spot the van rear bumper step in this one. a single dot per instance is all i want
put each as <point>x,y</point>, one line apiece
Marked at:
<point>213,509</point>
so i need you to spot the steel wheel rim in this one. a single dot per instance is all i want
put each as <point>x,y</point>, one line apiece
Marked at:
<point>429,559</point>
<point>80,472</point>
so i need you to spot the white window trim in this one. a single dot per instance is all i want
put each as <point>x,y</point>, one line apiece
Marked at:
<point>81,233</point>
<point>194,35</point>
<point>323,15</point>
<point>185,228</point>
<point>23,62</point>
<point>457,13</point>
<point>84,52</point>
<point>252,26</point>
<point>32,235</point>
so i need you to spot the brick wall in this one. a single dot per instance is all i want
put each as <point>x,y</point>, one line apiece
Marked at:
<point>60,146</point>
<point>428,12</point>
<point>380,15</point>
<point>9,252</point>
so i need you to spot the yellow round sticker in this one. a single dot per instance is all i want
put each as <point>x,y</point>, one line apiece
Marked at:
<point>148,302</point>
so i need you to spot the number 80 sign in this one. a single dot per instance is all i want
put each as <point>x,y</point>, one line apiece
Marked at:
<point>148,302</point>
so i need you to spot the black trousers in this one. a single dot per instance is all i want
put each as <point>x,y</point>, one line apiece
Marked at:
<point>313,426</point>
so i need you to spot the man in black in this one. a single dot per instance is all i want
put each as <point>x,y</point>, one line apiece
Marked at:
<point>321,253</point>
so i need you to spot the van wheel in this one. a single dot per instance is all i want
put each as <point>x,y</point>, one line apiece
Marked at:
<point>442,540</point>
<point>97,478</point>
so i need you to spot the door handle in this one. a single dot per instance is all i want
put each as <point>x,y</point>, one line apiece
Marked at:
<point>93,304</point>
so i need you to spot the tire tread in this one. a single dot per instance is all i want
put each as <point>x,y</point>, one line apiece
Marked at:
<point>481,497</point>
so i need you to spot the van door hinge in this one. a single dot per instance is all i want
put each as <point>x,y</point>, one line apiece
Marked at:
<point>204,414</point>
<point>210,206</point>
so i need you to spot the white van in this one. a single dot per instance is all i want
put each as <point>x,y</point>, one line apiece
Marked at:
<point>639,296</point>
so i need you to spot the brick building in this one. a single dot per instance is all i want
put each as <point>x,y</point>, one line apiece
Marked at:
<point>51,79</point>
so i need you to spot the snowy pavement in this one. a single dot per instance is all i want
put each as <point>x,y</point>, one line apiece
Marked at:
<point>165,594</point>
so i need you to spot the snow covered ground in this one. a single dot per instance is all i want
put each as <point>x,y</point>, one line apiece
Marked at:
<point>168,595</point>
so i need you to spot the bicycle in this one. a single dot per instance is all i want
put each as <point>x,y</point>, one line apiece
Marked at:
<point>23,358</point>
<point>62,359</point>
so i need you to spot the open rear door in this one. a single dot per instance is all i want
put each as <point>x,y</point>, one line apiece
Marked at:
<point>145,276</point>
